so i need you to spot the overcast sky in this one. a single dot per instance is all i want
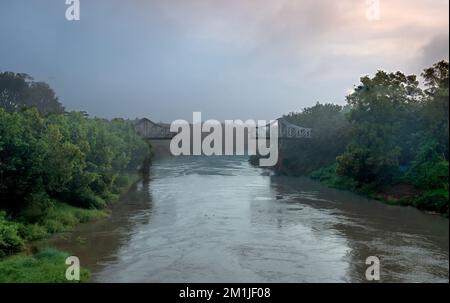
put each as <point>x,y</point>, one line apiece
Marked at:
<point>229,59</point>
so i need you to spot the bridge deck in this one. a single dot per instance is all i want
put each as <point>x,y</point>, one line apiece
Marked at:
<point>286,130</point>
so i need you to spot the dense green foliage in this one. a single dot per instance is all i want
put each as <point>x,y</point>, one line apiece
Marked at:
<point>57,169</point>
<point>48,157</point>
<point>429,172</point>
<point>10,240</point>
<point>393,131</point>
<point>64,157</point>
<point>46,266</point>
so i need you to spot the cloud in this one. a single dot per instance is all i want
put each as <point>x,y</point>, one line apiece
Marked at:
<point>307,33</point>
<point>435,50</point>
<point>258,58</point>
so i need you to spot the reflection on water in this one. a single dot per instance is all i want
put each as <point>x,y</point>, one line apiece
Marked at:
<point>217,219</point>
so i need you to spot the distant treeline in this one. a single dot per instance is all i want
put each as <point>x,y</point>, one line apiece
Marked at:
<point>48,156</point>
<point>392,134</point>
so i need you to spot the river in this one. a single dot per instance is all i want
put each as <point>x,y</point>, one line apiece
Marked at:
<point>218,219</point>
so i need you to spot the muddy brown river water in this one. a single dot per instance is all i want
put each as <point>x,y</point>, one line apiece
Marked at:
<point>218,219</point>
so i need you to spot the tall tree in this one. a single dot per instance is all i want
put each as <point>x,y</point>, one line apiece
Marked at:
<point>330,136</point>
<point>380,109</point>
<point>13,90</point>
<point>435,108</point>
<point>19,90</point>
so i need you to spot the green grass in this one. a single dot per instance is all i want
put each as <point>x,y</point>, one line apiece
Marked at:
<point>61,218</point>
<point>68,216</point>
<point>47,266</point>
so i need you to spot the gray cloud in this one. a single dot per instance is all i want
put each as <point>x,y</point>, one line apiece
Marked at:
<point>226,58</point>
<point>437,49</point>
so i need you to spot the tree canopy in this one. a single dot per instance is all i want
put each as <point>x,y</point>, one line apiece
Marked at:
<point>18,90</point>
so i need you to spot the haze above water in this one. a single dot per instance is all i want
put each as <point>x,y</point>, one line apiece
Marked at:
<point>218,219</point>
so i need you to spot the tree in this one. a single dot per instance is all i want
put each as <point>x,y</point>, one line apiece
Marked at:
<point>382,108</point>
<point>43,97</point>
<point>13,90</point>
<point>19,90</point>
<point>330,135</point>
<point>435,111</point>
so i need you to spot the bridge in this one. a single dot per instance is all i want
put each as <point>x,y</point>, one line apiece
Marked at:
<point>286,130</point>
<point>161,131</point>
<point>153,131</point>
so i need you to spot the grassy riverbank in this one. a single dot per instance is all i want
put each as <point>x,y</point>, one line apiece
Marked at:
<point>44,266</point>
<point>401,192</point>
<point>47,265</point>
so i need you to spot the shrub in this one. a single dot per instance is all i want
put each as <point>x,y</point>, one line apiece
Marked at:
<point>53,226</point>
<point>433,200</point>
<point>84,198</point>
<point>10,240</point>
<point>32,232</point>
<point>122,181</point>
<point>38,207</point>
<point>328,176</point>
<point>429,170</point>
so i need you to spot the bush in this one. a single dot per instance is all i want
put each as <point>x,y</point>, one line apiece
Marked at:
<point>10,240</point>
<point>33,232</point>
<point>54,226</point>
<point>433,200</point>
<point>122,181</point>
<point>328,176</point>
<point>91,200</point>
<point>429,170</point>
<point>38,207</point>
<point>64,157</point>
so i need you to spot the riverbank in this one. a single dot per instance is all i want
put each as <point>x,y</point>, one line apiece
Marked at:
<point>47,265</point>
<point>400,192</point>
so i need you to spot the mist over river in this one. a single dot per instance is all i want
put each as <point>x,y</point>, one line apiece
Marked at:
<point>218,219</point>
